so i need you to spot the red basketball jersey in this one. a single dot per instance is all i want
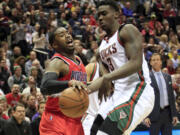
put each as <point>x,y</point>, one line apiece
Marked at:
<point>76,72</point>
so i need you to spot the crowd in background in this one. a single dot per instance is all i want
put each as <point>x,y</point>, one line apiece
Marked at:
<point>25,49</point>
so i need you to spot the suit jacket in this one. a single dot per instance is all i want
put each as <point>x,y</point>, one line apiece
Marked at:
<point>154,116</point>
<point>13,128</point>
<point>2,123</point>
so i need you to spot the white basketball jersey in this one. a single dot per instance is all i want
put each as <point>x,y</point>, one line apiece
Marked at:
<point>113,54</point>
<point>93,98</point>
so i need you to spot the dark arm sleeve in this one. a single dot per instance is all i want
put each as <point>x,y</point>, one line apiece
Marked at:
<point>50,84</point>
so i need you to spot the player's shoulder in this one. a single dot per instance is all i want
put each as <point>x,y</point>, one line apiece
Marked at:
<point>128,31</point>
<point>55,64</point>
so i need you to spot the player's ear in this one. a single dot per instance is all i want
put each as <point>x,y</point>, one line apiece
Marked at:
<point>54,45</point>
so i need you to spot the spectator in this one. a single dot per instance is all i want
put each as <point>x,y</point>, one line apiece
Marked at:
<point>16,54</point>
<point>28,64</point>
<point>2,123</point>
<point>13,97</point>
<point>79,50</point>
<point>174,41</point>
<point>3,107</point>
<point>31,87</point>
<point>37,118</point>
<point>21,62</point>
<point>4,23</point>
<point>169,11</point>
<point>34,74</point>
<point>31,106</point>
<point>16,125</point>
<point>175,59</point>
<point>17,78</point>
<point>170,67</point>
<point>164,42</point>
<point>127,11</point>
<point>4,74</point>
<point>18,36</point>
<point>23,99</point>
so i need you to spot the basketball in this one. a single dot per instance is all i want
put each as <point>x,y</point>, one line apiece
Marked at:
<point>73,103</point>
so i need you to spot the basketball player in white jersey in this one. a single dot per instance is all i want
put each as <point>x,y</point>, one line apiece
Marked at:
<point>121,51</point>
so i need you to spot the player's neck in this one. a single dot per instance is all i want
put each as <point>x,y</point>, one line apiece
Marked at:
<point>70,56</point>
<point>114,28</point>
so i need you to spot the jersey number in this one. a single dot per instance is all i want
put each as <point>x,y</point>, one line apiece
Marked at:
<point>111,67</point>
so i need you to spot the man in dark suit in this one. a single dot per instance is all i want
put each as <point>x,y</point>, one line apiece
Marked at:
<point>163,116</point>
<point>16,125</point>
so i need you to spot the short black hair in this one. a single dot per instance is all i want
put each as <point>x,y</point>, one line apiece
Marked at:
<point>52,36</point>
<point>16,105</point>
<point>111,3</point>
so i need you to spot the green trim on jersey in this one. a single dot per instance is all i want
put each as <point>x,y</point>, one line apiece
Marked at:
<point>123,113</point>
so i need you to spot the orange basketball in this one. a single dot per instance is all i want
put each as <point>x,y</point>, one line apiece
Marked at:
<point>73,103</point>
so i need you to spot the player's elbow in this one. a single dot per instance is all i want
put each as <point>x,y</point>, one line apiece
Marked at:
<point>137,65</point>
<point>44,88</point>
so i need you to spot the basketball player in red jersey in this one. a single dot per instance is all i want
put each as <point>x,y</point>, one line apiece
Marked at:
<point>64,70</point>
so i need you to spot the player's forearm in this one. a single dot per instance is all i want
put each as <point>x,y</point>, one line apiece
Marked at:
<point>127,69</point>
<point>95,85</point>
<point>50,84</point>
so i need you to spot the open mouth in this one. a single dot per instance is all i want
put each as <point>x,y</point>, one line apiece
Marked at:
<point>70,43</point>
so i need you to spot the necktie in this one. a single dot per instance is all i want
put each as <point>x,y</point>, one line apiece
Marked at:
<point>160,85</point>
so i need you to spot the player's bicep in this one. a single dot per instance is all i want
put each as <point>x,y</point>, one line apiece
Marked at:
<point>132,40</point>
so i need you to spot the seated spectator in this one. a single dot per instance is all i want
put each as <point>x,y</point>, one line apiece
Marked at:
<point>34,74</point>
<point>170,67</point>
<point>175,59</point>
<point>4,74</point>
<point>127,11</point>
<point>15,54</point>
<point>17,78</point>
<point>21,62</point>
<point>164,42</point>
<point>13,97</point>
<point>79,50</point>
<point>23,99</point>
<point>2,123</point>
<point>174,41</point>
<point>3,108</point>
<point>154,22</point>
<point>28,64</point>
<point>31,106</point>
<point>40,69</point>
<point>17,124</point>
<point>169,11</point>
<point>31,88</point>
<point>37,118</point>
<point>4,23</point>
<point>91,52</point>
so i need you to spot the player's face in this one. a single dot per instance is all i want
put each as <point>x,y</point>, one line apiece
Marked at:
<point>156,62</point>
<point>63,41</point>
<point>106,17</point>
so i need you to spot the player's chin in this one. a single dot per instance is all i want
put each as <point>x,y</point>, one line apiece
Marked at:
<point>70,50</point>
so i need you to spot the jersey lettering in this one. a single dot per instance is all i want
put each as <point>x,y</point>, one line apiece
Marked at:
<point>79,76</point>
<point>108,51</point>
